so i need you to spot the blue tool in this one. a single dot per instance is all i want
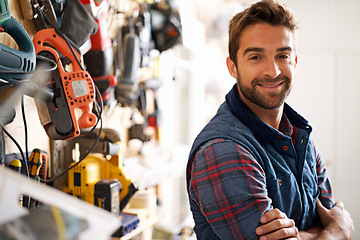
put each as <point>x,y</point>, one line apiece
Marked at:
<point>15,64</point>
<point>4,11</point>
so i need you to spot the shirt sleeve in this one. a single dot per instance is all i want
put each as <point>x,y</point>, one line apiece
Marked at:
<point>229,186</point>
<point>326,194</point>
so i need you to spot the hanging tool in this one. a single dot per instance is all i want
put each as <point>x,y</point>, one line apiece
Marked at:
<point>73,90</point>
<point>127,88</point>
<point>15,65</point>
<point>99,59</point>
<point>166,29</point>
<point>78,24</point>
<point>35,163</point>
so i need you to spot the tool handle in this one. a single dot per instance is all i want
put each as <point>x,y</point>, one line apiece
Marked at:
<point>35,163</point>
<point>22,60</point>
<point>45,37</point>
<point>4,11</point>
<point>15,165</point>
<point>44,170</point>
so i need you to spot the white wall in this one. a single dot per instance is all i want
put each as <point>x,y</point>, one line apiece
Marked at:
<point>326,85</point>
<point>326,90</point>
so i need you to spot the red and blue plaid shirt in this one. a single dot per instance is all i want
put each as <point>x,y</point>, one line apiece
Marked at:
<point>229,187</point>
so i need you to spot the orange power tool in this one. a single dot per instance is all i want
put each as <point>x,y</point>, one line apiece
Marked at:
<point>72,90</point>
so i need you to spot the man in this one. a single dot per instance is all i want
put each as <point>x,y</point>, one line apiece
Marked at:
<point>253,171</point>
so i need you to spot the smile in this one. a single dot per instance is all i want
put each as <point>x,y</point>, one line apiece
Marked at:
<point>269,85</point>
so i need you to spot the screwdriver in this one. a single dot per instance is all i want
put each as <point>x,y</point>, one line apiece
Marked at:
<point>35,163</point>
<point>44,170</point>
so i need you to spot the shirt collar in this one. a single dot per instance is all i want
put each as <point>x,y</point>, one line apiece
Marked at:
<point>260,129</point>
<point>285,126</point>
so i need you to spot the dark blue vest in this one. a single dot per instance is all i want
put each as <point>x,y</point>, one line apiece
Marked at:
<point>294,165</point>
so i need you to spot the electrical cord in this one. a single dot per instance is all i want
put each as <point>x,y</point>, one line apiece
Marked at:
<point>25,126</point>
<point>92,147</point>
<point>18,146</point>
<point>68,169</point>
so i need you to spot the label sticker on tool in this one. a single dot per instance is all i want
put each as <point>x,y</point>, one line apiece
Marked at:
<point>80,88</point>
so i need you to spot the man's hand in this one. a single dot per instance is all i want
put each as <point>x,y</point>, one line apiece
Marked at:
<point>276,225</point>
<point>337,221</point>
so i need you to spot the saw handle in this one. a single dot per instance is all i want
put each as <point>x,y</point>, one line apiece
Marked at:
<point>22,60</point>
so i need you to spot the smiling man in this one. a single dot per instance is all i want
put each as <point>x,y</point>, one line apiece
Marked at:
<point>253,171</point>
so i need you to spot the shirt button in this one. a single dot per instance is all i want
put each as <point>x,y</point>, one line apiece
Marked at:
<point>285,148</point>
<point>280,182</point>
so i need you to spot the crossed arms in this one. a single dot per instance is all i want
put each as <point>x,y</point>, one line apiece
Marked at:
<point>234,204</point>
<point>336,224</point>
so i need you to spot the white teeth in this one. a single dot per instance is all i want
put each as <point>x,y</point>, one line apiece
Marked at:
<point>265,85</point>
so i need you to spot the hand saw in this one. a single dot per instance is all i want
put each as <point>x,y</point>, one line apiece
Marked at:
<point>73,91</point>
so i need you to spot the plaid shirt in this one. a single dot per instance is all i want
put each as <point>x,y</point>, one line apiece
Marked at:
<point>229,186</point>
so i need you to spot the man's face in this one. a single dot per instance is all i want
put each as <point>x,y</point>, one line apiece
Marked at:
<point>266,63</point>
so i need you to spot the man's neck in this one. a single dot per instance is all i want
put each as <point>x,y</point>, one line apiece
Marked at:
<point>270,116</point>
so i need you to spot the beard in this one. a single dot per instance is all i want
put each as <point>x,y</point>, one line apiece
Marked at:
<point>266,100</point>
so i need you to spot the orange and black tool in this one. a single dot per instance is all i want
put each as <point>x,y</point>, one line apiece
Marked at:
<point>45,168</point>
<point>72,90</point>
<point>35,163</point>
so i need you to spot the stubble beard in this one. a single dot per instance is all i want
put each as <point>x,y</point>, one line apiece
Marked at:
<point>265,100</point>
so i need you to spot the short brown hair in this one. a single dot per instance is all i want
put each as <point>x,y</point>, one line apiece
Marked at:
<point>266,11</point>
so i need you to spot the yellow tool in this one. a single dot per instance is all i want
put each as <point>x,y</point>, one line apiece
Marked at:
<point>92,171</point>
<point>15,164</point>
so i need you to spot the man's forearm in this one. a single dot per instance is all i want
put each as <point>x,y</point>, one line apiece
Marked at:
<point>311,233</point>
<point>337,222</point>
<point>328,233</point>
<point>334,232</point>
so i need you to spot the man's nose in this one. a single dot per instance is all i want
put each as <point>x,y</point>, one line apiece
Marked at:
<point>271,69</point>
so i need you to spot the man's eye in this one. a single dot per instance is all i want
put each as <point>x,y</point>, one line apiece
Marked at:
<point>284,56</point>
<point>254,58</point>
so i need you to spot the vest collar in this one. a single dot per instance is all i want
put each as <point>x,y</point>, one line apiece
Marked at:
<point>261,130</point>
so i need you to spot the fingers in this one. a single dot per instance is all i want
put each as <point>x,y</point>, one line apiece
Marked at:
<point>272,214</point>
<point>277,226</point>
<point>283,233</point>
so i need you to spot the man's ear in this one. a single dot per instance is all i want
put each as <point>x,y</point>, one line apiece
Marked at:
<point>231,67</point>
